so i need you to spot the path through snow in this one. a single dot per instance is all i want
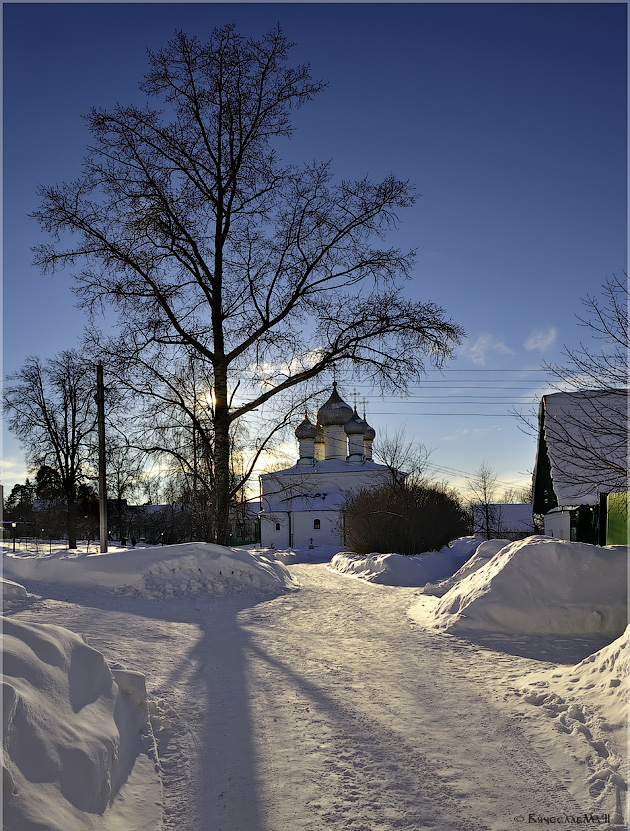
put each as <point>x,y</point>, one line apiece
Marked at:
<point>324,708</point>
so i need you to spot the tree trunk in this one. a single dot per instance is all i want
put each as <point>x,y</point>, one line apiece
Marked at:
<point>221,457</point>
<point>71,526</point>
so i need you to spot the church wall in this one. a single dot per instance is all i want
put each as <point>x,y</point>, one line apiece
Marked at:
<point>328,533</point>
<point>345,477</point>
<point>270,535</point>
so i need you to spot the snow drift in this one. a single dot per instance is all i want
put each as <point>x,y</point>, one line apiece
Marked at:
<point>295,556</point>
<point>541,586</point>
<point>483,552</point>
<point>397,570</point>
<point>588,703</point>
<point>600,679</point>
<point>12,592</point>
<point>189,569</point>
<point>73,732</point>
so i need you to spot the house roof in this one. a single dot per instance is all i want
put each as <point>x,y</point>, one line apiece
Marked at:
<point>506,516</point>
<point>582,447</point>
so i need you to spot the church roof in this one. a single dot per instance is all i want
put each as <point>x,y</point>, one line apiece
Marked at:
<point>306,430</point>
<point>335,412</point>
<point>355,426</point>
<point>325,466</point>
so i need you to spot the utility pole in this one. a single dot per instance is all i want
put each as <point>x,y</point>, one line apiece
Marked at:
<point>102,489</point>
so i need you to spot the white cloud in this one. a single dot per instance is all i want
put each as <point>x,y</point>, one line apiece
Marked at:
<point>484,344</point>
<point>14,471</point>
<point>541,339</point>
<point>477,432</point>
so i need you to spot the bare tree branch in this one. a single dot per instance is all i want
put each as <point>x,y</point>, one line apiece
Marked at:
<point>186,222</point>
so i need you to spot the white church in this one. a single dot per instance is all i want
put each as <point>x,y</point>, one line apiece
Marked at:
<point>301,506</point>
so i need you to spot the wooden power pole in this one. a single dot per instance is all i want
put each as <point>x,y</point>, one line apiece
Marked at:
<point>102,488</point>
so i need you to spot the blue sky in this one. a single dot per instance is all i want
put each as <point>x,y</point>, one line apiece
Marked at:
<point>510,119</point>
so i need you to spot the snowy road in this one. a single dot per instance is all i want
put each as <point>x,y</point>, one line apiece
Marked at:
<point>320,709</point>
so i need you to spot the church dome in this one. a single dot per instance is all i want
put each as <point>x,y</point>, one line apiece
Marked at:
<point>355,426</point>
<point>334,412</point>
<point>369,433</point>
<point>306,430</point>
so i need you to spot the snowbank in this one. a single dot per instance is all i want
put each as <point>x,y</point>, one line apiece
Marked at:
<point>589,704</point>
<point>601,680</point>
<point>291,556</point>
<point>541,585</point>
<point>397,570</point>
<point>72,735</point>
<point>11,592</point>
<point>189,569</point>
<point>483,552</point>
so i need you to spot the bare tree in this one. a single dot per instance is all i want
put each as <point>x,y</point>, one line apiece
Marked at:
<point>52,410</point>
<point>584,424</point>
<point>482,486</point>
<point>582,445</point>
<point>185,220</point>
<point>512,496</point>
<point>172,423</point>
<point>125,471</point>
<point>405,458</point>
<point>589,426</point>
<point>606,321</point>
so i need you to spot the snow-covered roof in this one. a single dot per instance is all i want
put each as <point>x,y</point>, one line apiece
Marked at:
<point>327,500</point>
<point>582,446</point>
<point>326,466</point>
<point>505,517</point>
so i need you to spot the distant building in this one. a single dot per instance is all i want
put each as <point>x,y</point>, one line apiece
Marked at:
<point>301,506</point>
<point>509,521</point>
<point>580,482</point>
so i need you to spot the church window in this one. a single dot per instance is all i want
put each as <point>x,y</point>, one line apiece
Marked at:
<point>277,526</point>
<point>317,524</point>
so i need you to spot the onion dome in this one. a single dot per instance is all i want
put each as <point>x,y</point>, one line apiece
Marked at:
<point>306,430</point>
<point>355,426</point>
<point>334,412</point>
<point>369,433</point>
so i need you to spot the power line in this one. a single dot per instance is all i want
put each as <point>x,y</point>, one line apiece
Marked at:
<point>457,400</point>
<point>486,415</point>
<point>450,471</point>
<point>489,370</point>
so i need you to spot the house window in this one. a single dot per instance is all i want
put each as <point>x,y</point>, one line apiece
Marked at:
<point>317,524</point>
<point>277,526</point>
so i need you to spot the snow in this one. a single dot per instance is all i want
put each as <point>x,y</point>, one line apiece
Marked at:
<point>293,556</point>
<point>504,517</point>
<point>541,585</point>
<point>579,446</point>
<point>73,732</point>
<point>482,553</point>
<point>273,693</point>
<point>12,591</point>
<point>398,570</point>
<point>189,570</point>
<point>588,707</point>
